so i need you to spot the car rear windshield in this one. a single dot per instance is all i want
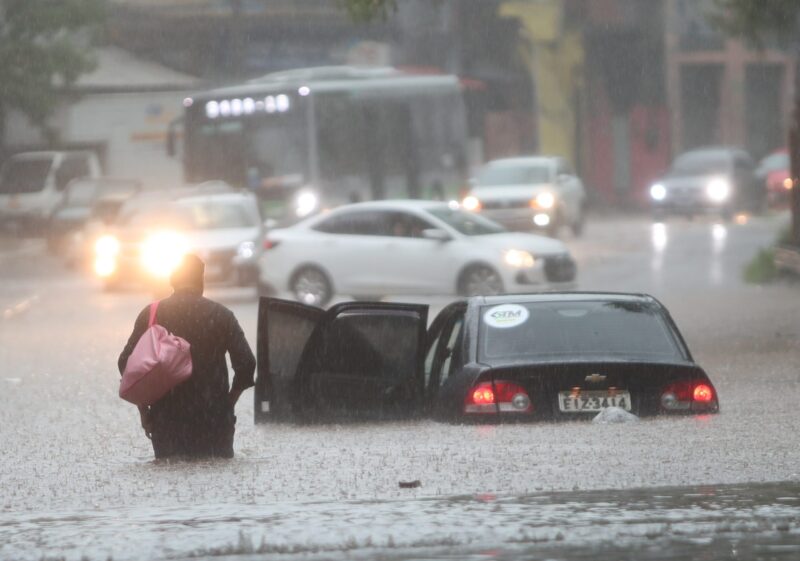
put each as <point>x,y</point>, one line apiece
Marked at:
<point>514,175</point>
<point>620,330</point>
<point>24,176</point>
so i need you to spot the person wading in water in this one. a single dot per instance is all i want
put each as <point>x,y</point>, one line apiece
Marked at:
<point>196,418</point>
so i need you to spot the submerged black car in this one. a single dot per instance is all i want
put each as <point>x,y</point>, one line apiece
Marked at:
<point>550,356</point>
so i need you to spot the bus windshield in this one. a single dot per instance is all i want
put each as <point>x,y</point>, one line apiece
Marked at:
<point>254,150</point>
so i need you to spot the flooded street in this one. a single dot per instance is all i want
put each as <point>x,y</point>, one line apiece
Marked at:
<point>77,479</point>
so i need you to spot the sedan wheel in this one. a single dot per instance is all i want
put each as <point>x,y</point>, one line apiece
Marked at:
<point>480,281</point>
<point>311,286</point>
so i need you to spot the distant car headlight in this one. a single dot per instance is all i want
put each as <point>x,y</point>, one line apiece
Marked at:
<point>545,200</point>
<point>246,250</point>
<point>306,203</point>
<point>471,203</point>
<point>106,246</point>
<point>658,192</point>
<point>718,190</point>
<point>519,259</point>
<point>162,252</point>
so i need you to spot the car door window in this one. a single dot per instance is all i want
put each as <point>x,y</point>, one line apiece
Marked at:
<point>73,167</point>
<point>357,223</point>
<point>366,361</point>
<point>406,225</point>
<point>451,351</point>
<point>443,354</point>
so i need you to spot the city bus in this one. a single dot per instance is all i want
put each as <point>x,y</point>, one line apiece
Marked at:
<point>309,139</point>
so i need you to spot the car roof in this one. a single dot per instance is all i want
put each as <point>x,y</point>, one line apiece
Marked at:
<point>523,161</point>
<point>216,197</point>
<point>715,151</point>
<point>394,204</point>
<point>562,297</point>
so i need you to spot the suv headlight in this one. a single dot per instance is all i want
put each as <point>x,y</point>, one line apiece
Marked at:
<point>718,190</point>
<point>658,192</point>
<point>471,203</point>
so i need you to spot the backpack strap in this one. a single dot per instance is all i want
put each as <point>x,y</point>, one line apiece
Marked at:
<point>153,311</point>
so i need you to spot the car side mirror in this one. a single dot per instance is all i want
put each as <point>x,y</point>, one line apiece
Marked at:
<point>436,234</point>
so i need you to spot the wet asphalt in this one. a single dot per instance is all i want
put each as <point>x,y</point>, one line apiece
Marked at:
<point>77,477</point>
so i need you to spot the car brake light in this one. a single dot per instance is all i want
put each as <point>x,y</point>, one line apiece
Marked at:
<point>502,397</point>
<point>703,393</point>
<point>689,395</point>
<point>269,244</point>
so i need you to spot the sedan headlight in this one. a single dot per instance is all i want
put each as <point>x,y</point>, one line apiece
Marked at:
<point>162,252</point>
<point>519,259</point>
<point>718,190</point>
<point>658,192</point>
<point>545,200</point>
<point>106,246</point>
<point>106,249</point>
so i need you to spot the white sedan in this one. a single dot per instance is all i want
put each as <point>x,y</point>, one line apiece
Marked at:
<point>369,250</point>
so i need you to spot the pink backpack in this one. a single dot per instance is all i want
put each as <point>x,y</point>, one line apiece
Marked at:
<point>159,362</point>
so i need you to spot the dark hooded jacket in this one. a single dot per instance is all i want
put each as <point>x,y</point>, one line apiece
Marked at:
<point>201,403</point>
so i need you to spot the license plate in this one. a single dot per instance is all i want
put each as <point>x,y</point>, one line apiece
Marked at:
<point>593,401</point>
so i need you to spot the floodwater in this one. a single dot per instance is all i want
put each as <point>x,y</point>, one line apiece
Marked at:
<point>77,478</point>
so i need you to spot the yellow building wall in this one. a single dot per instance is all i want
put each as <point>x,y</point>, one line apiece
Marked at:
<point>555,58</point>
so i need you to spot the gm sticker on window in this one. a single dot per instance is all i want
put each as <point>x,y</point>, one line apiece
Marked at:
<point>505,316</point>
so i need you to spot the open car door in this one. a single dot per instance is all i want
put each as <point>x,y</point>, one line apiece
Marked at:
<point>355,361</point>
<point>284,328</point>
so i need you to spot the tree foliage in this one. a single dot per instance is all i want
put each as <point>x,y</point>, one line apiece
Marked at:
<point>43,48</point>
<point>759,20</point>
<point>367,10</point>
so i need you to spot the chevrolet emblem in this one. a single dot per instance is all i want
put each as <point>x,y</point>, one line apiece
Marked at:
<point>595,378</point>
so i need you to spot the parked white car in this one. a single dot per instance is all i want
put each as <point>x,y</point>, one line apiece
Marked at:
<point>373,249</point>
<point>540,192</point>
<point>32,184</point>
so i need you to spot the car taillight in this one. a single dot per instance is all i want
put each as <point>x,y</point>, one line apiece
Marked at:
<point>269,244</point>
<point>703,393</point>
<point>689,395</point>
<point>500,397</point>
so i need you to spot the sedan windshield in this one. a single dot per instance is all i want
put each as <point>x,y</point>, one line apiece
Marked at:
<point>467,223</point>
<point>24,176</point>
<point>514,175</point>
<point>701,163</point>
<point>576,330</point>
<point>217,216</point>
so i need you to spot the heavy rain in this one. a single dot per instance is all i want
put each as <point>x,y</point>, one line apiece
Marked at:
<point>346,171</point>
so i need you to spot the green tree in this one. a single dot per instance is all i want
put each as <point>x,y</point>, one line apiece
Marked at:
<point>44,48</point>
<point>366,10</point>
<point>755,21</point>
